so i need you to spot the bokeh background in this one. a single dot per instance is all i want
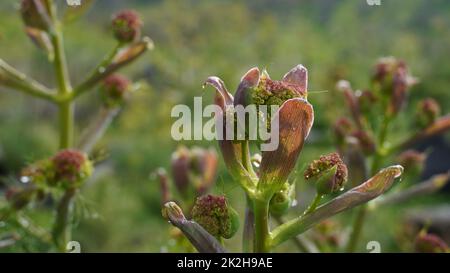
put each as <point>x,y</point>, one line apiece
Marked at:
<point>120,208</point>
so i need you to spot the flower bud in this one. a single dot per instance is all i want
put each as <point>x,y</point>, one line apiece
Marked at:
<point>38,173</point>
<point>204,166</point>
<point>328,172</point>
<point>393,78</point>
<point>172,212</point>
<point>194,170</point>
<point>127,26</point>
<point>215,215</point>
<point>35,14</point>
<point>180,169</point>
<point>272,92</point>
<point>282,200</point>
<point>412,161</point>
<point>19,197</point>
<point>430,243</point>
<point>71,167</point>
<point>427,113</point>
<point>115,90</point>
<point>163,185</point>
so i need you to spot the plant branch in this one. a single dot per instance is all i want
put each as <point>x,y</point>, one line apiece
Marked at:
<point>248,231</point>
<point>432,185</point>
<point>300,242</point>
<point>12,78</point>
<point>367,191</point>
<point>196,234</point>
<point>97,128</point>
<point>61,229</point>
<point>314,204</point>
<point>441,125</point>
<point>358,222</point>
<point>261,219</point>
<point>117,59</point>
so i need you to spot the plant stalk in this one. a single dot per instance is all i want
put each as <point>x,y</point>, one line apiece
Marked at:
<point>314,204</point>
<point>61,230</point>
<point>247,235</point>
<point>62,227</point>
<point>262,236</point>
<point>358,223</point>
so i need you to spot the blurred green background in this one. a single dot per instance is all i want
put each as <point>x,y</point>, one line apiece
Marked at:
<point>193,40</point>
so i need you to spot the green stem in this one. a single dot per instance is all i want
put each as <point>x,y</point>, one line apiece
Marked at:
<point>66,119</point>
<point>61,228</point>
<point>357,229</point>
<point>98,70</point>
<point>66,107</point>
<point>248,231</point>
<point>249,222</point>
<point>299,242</point>
<point>262,236</point>
<point>246,158</point>
<point>12,78</point>
<point>358,222</point>
<point>314,204</point>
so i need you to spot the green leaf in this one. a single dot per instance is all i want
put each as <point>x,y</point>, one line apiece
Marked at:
<point>365,192</point>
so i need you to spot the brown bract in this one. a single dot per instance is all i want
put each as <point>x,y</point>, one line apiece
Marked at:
<point>295,117</point>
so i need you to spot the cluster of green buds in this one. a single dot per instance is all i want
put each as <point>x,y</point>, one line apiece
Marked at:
<point>392,80</point>
<point>388,93</point>
<point>363,139</point>
<point>295,118</point>
<point>329,173</point>
<point>68,169</point>
<point>63,174</point>
<point>115,90</point>
<point>265,177</point>
<point>283,199</point>
<point>216,216</point>
<point>127,26</point>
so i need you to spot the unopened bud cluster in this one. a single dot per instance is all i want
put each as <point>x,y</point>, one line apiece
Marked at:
<point>215,215</point>
<point>328,172</point>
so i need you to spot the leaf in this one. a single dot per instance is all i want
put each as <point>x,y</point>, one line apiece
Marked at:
<point>297,76</point>
<point>231,150</point>
<point>296,117</point>
<point>365,192</point>
<point>196,234</point>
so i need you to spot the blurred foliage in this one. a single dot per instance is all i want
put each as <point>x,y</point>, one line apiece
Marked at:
<point>193,40</point>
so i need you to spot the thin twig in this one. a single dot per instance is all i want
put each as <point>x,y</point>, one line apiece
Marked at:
<point>97,128</point>
<point>12,78</point>
<point>433,184</point>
